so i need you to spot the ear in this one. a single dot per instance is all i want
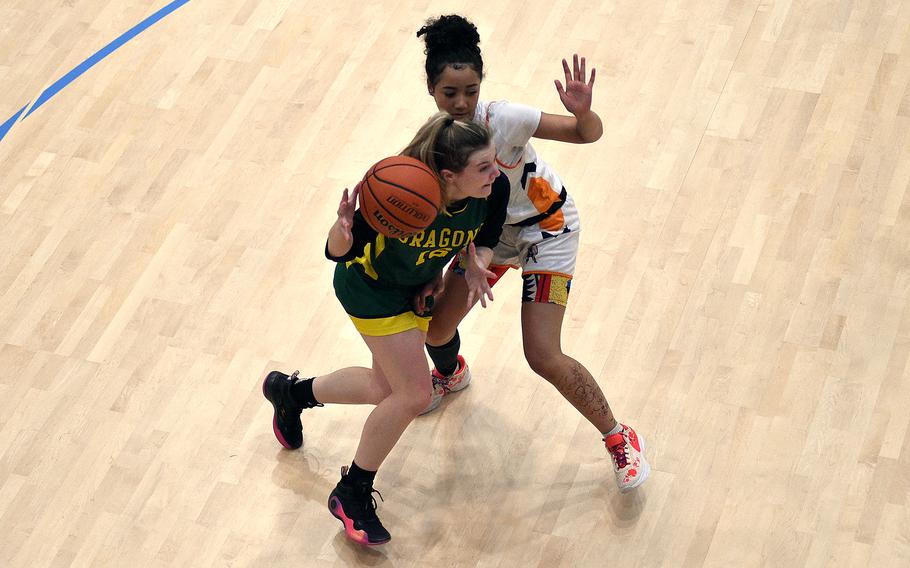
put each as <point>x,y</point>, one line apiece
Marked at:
<point>430,88</point>
<point>448,176</point>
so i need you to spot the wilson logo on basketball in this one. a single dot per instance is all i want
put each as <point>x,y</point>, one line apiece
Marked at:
<point>407,208</point>
<point>390,229</point>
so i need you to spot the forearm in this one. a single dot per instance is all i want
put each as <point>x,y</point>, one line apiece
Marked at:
<point>589,126</point>
<point>484,256</point>
<point>337,243</point>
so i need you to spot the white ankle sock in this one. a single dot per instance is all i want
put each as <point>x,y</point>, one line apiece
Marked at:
<point>616,430</point>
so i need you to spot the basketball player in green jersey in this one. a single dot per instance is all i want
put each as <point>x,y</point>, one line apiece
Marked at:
<point>541,235</point>
<point>382,282</point>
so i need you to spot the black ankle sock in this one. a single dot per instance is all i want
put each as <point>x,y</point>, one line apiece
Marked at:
<point>358,476</point>
<point>445,357</point>
<point>302,393</point>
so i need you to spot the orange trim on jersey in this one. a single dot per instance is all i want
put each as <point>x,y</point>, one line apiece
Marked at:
<point>543,196</point>
<point>507,166</point>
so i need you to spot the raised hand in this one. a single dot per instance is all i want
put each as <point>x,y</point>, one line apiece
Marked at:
<point>576,96</point>
<point>476,277</point>
<point>346,214</point>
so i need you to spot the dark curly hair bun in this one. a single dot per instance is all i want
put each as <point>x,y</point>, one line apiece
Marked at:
<point>447,32</point>
<point>450,40</point>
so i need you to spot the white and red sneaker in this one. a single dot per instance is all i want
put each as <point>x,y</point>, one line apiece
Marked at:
<point>443,385</point>
<point>629,464</point>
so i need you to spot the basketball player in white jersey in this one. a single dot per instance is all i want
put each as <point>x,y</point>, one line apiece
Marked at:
<point>540,237</point>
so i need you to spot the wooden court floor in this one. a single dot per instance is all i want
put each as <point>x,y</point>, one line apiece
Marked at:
<point>741,295</point>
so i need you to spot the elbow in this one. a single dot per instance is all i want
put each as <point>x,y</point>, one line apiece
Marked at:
<point>591,138</point>
<point>336,256</point>
<point>591,135</point>
<point>589,129</point>
<point>336,251</point>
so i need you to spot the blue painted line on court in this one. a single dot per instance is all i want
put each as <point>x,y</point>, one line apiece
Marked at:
<point>4,128</point>
<point>90,62</point>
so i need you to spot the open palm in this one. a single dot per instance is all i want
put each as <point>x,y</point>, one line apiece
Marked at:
<point>576,96</point>
<point>346,213</point>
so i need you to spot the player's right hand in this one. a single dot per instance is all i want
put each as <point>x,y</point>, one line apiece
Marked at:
<point>346,212</point>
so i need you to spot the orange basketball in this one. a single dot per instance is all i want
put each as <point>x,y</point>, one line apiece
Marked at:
<point>399,196</point>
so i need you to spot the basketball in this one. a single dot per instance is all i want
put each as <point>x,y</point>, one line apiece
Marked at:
<point>399,196</point>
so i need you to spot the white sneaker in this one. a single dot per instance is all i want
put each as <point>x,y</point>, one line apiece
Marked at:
<point>629,464</point>
<point>443,385</point>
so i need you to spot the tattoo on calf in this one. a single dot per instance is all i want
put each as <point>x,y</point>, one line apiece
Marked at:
<point>584,391</point>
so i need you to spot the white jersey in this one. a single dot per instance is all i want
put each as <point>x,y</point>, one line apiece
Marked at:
<point>535,187</point>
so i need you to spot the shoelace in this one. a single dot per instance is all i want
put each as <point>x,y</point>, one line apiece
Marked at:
<point>443,382</point>
<point>294,378</point>
<point>369,506</point>
<point>620,456</point>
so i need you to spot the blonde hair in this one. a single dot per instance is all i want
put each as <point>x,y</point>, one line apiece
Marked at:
<point>444,143</point>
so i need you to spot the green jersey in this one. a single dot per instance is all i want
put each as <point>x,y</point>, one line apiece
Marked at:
<point>379,275</point>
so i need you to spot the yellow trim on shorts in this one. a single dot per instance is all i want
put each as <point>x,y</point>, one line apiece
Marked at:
<point>391,325</point>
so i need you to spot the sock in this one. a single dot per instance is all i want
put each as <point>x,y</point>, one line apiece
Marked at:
<point>358,476</point>
<point>445,357</point>
<point>616,430</point>
<point>302,393</point>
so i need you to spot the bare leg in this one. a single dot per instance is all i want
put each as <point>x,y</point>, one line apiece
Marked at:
<point>451,307</point>
<point>399,360</point>
<point>541,326</point>
<point>351,385</point>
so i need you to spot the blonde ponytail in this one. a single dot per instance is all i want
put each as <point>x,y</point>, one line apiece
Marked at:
<point>444,143</point>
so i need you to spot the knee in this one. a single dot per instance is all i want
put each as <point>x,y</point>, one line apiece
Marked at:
<point>416,399</point>
<point>440,331</point>
<point>447,314</point>
<point>379,392</point>
<point>419,402</point>
<point>545,362</point>
<point>437,337</point>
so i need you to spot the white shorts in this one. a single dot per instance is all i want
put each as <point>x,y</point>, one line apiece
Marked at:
<point>547,247</point>
<point>545,252</point>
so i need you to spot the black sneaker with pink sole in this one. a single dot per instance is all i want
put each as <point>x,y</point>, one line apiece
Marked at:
<point>286,419</point>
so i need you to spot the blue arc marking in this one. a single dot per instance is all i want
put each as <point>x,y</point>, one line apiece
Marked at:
<point>89,63</point>
<point>4,128</point>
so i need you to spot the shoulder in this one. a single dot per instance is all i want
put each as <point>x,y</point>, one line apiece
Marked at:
<point>509,112</point>
<point>512,124</point>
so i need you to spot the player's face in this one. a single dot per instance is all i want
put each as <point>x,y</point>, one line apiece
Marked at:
<point>476,179</point>
<point>456,91</point>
